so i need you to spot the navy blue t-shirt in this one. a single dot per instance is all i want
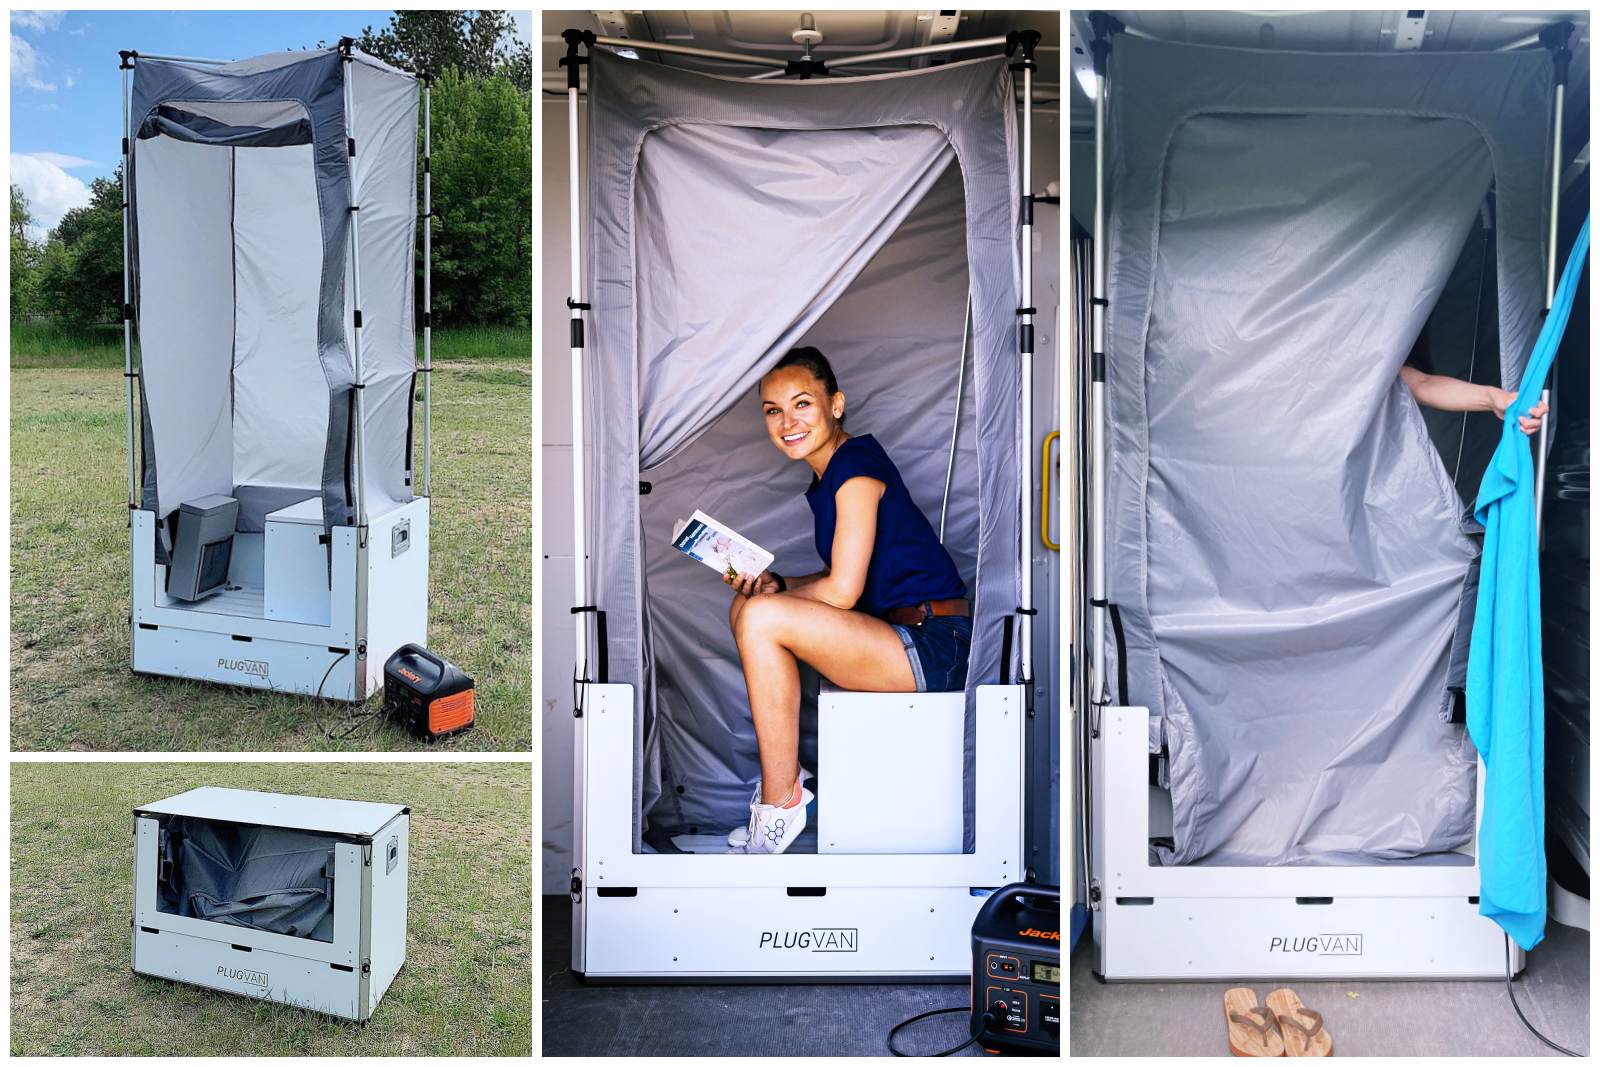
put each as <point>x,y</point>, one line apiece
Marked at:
<point>909,565</point>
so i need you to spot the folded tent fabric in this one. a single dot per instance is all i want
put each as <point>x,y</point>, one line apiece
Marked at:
<point>1505,676</point>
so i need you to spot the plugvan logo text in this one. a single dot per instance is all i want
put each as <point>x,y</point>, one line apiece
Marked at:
<point>258,667</point>
<point>819,939</point>
<point>1318,945</point>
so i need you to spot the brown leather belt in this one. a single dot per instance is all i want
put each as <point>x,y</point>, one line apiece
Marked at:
<point>917,614</point>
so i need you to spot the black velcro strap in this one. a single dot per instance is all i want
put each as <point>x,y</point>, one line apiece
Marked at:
<point>1027,611</point>
<point>1093,603</point>
<point>1025,342</point>
<point>577,333</point>
<point>1122,654</point>
<point>124,146</point>
<point>1027,311</point>
<point>127,312</point>
<point>427,164</point>
<point>1100,300</point>
<point>1097,366</point>
<point>125,374</point>
<point>1027,209</point>
<point>427,320</point>
<point>603,674</point>
<point>1005,649</point>
<point>358,318</point>
<point>351,144</point>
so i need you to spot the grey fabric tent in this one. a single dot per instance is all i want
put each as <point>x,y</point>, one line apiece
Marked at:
<point>1289,562</point>
<point>262,877</point>
<point>728,221</point>
<point>276,325</point>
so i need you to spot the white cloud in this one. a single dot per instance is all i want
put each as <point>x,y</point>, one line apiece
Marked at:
<point>50,190</point>
<point>38,21</point>
<point>63,160</point>
<point>27,66</point>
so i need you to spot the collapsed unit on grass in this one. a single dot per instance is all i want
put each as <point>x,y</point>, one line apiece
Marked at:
<point>299,900</point>
<point>279,536</point>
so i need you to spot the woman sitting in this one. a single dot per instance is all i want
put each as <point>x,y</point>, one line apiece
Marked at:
<point>887,612</point>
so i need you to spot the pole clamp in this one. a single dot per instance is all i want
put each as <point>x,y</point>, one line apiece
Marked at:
<point>426,77</point>
<point>346,48</point>
<point>806,68</point>
<point>1094,603</point>
<point>127,56</point>
<point>1027,40</point>
<point>1027,611</point>
<point>1555,38</point>
<point>572,60</point>
<point>1099,301</point>
<point>1027,311</point>
<point>577,305</point>
<point>1104,27</point>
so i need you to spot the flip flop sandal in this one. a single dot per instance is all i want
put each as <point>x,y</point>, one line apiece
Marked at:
<point>1250,1026</point>
<point>1303,1033</point>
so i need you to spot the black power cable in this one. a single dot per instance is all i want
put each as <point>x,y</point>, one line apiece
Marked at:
<point>989,1019</point>
<point>1512,993</point>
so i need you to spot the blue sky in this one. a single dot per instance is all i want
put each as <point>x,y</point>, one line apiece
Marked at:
<point>66,89</point>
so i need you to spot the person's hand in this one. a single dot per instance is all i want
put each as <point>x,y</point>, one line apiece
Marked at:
<point>1501,401</point>
<point>750,585</point>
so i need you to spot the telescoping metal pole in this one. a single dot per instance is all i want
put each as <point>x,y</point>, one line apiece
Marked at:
<point>580,583</point>
<point>1554,38</point>
<point>127,284</point>
<point>1027,40</point>
<point>346,47</point>
<point>427,284</point>
<point>1097,383</point>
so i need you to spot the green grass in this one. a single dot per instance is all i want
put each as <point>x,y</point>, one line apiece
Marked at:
<point>42,345</point>
<point>466,987</point>
<point>70,683</point>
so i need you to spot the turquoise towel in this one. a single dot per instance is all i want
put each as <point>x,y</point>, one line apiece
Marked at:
<point>1505,674</point>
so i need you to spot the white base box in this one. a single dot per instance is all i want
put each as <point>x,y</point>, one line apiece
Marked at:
<point>299,900</point>
<point>876,749</point>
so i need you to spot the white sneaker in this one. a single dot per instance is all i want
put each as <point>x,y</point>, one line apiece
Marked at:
<point>739,836</point>
<point>773,829</point>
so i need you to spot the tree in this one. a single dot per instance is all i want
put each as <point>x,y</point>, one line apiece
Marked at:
<point>483,200</point>
<point>476,44</point>
<point>80,277</point>
<point>24,258</point>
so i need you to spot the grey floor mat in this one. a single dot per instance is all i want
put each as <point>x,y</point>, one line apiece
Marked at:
<point>1365,1018</point>
<point>798,1020</point>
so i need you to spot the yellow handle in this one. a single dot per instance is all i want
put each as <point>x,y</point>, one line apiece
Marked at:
<point>1044,493</point>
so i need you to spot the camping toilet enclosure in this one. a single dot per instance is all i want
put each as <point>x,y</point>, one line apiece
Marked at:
<point>1281,572</point>
<point>270,229</point>
<point>299,900</point>
<point>862,215</point>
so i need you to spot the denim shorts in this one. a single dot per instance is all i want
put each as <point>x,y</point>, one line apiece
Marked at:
<point>938,652</point>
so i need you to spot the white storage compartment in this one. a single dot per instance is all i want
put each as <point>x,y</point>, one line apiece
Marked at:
<point>296,568</point>
<point>875,753</point>
<point>299,900</point>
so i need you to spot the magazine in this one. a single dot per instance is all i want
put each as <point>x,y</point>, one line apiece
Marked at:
<point>705,539</point>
